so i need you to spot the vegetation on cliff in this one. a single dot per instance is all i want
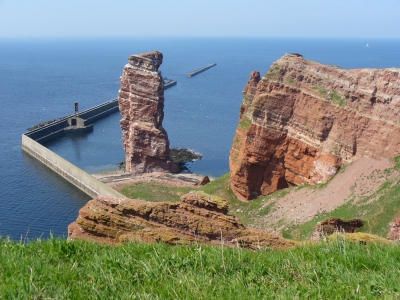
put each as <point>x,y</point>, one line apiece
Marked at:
<point>377,205</point>
<point>61,269</point>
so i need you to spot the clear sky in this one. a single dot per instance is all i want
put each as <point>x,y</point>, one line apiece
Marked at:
<point>269,18</point>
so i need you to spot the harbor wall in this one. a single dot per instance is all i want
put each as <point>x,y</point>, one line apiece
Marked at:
<point>56,130</point>
<point>82,180</point>
<point>93,114</point>
<point>169,84</point>
<point>191,74</point>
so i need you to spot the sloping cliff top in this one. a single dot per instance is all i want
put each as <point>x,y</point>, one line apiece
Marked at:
<point>373,93</point>
<point>303,120</point>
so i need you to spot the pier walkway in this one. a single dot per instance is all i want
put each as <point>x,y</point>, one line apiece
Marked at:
<point>191,74</point>
<point>46,131</point>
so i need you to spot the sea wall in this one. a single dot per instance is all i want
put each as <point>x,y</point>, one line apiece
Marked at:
<point>93,114</point>
<point>56,130</point>
<point>82,180</point>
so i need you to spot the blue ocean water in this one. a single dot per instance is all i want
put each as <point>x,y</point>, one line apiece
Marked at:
<point>41,79</point>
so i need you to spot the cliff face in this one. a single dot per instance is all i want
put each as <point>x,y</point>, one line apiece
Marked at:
<point>141,103</point>
<point>303,120</point>
<point>198,218</point>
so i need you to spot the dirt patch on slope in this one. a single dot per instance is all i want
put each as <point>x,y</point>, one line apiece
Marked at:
<point>358,181</point>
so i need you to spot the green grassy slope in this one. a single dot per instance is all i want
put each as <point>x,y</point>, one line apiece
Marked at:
<point>61,269</point>
<point>377,214</point>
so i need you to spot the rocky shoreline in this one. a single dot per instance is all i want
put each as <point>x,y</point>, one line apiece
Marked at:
<point>182,156</point>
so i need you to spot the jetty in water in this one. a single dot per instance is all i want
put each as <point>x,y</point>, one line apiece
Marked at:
<point>191,74</point>
<point>168,83</point>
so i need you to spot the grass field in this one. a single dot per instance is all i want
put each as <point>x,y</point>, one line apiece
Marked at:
<point>61,269</point>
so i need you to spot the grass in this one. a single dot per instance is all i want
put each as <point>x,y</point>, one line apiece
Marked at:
<point>396,161</point>
<point>336,269</point>
<point>245,123</point>
<point>322,90</point>
<point>334,97</point>
<point>61,269</point>
<point>338,99</point>
<point>376,214</point>
<point>155,192</point>
<point>270,74</point>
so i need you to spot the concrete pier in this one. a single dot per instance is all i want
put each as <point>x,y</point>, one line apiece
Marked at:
<point>82,180</point>
<point>191,74</point>
<point>170,83</point>
<point>81,122</point>
<point>33,140</point>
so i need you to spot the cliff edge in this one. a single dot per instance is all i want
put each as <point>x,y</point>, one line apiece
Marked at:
<point>198,218</point>
<point>303,120</point>
<point>141,103</point>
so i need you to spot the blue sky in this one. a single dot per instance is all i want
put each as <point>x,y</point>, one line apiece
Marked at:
<point>278,18</point>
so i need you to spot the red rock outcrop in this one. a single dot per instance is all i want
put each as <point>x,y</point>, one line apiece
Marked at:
<point>394,233</point>
<point>204,181</point>
<point>141,103</point>
<point>334,225</point>
<point>198,218</point>
<point>303,120</point>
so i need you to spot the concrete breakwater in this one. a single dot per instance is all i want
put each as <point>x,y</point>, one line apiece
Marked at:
<point>169,83</point>
<point>191,74</point>
<point>47,131</point>
<point>82,180</point>
<point>31,143</point>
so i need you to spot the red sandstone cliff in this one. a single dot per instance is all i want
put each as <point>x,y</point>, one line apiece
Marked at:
<point>141,103</point>
<point>303,120</point>
<point>198,218</point>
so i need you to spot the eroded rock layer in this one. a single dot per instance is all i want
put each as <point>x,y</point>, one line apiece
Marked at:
<point>335,225</point>
<point>394,233</point>
<point>198,218</point>
<point>303,120</point>
<point>141,103</point>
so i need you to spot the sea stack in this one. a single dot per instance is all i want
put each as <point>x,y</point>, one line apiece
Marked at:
<point>141,103</point>
<point>303,120</point>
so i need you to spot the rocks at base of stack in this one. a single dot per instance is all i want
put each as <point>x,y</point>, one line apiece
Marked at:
<point>198,218</point>
<point>303,120</point>
<point>141,103</point>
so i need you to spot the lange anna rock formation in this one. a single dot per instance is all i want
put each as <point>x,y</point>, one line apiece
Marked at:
<point>141,103</point>
<point>303,120</point>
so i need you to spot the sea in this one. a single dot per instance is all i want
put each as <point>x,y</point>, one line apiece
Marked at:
<point>41,79</point>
